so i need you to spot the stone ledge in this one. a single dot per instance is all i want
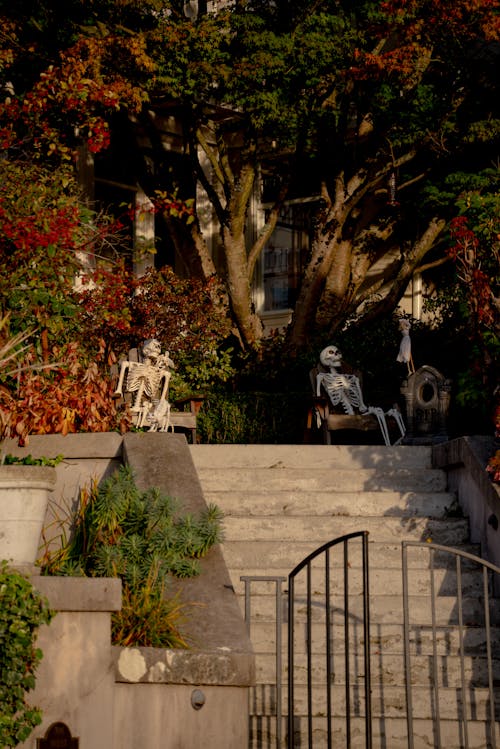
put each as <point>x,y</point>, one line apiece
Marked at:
<point>472,453</point>
<point>80,593</point>
<point>39,477</point>
<point>95,445</point>
<point>220,667</point>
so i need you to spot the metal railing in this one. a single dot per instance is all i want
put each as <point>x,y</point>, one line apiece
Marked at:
<point>465,615</point>
<point>279,595</point>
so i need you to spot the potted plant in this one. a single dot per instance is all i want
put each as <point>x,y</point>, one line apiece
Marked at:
<point>25,488</point>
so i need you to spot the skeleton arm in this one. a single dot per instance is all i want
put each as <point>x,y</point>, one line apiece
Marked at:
<point>166,379</point>
<point>123,371</point>
<point>319,381</point>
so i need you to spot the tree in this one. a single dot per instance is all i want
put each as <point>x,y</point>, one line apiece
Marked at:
<point>475,251</point>
<point>363,105</point>
<point>368,102</point>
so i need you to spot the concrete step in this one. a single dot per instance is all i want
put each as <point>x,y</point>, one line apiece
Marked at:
<point>387,701</point>
<point>386,669</point>
<point>281,503</point>
<point>388,638</point>
<point>320,530</point>
<point>309,479</point>
<point>387,733</point>
<point>299,502</point>
<point>419,580</point>
<point>386,609</point>
<point>272,558</point>
<point>317,456</point>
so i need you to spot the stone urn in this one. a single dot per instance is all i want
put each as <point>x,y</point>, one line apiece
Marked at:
<point>24,496</point>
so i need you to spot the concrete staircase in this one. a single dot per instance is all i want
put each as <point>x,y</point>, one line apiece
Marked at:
<point>283,502</point>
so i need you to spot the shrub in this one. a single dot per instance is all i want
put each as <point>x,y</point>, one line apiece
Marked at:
<point>22,611</point>
<point>253,418</point>
<point>73,396</point>
<point>143,538</point>
<point>182,314</point>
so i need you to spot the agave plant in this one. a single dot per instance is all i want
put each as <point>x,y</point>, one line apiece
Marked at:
<point>146,539</point>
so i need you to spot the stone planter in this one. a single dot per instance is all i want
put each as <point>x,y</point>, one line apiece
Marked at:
<point>24,496</point>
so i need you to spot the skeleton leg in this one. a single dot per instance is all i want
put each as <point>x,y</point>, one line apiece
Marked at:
<point>396,414</point>
<point>165,425</point>
<point>377,411</point>
<point>142,415</point>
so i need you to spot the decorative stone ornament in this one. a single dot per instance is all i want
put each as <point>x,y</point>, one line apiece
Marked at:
<point>427,398</point>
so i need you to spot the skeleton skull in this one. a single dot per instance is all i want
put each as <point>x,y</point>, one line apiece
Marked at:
<point>331,357</point>
<point>151,348</point>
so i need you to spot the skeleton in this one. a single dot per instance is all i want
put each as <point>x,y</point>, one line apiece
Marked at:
<point>148,380</point>
<point>345,390</point>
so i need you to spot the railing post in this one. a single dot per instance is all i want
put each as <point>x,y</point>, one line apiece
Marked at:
<point>278,593</point>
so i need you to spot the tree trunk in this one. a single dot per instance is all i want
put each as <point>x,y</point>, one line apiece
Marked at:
<point>238,285</point>
<point>328,263</point>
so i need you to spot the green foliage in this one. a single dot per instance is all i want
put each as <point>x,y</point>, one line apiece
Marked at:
<point>143,538</point>
<point>29,460</point>
<point>22,612</point>
<point>317,93</point>
<point>149,617</point>
<point>253,417</point>
<point>46,234</point>
<point>39,228</point>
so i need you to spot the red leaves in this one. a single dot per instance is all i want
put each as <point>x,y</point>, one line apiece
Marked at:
<point>55,226</point>
<point>466,252</point>
<point>74,397</point>
<point>73,100</point>
<point>124,310</point>
<point>412,33</point>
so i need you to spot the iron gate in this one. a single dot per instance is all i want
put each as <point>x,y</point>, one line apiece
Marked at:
<point>452,636</point>
<point>325,601</point>
<point>328,641</point>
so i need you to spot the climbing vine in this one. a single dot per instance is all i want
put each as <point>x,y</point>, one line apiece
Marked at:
<point>22,612</point>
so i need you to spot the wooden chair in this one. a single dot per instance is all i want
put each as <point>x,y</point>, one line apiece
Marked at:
<point>323,416</point>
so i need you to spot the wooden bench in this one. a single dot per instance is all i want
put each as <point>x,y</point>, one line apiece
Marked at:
<point>184,412</point>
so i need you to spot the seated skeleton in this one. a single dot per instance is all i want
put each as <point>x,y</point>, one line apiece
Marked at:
<point>148,381</point>
<point>344,390</point>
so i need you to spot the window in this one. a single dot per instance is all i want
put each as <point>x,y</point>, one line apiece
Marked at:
<point>284,255</point>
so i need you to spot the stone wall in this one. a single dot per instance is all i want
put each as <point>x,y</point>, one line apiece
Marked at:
<point>465,460</point>
<point>139,698</point>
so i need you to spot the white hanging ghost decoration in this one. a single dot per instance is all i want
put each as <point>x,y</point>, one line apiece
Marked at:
<point>404,354</point>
